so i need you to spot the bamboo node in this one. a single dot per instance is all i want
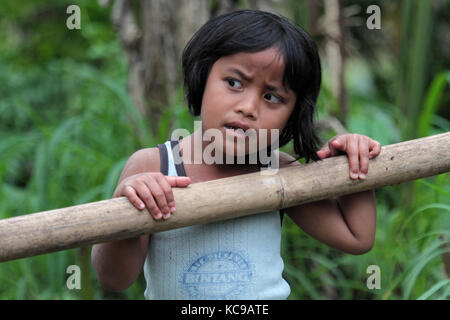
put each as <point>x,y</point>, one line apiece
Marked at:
<point>281,190</point>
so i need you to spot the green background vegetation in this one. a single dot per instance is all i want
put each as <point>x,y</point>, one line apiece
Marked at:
<point>67,126</point>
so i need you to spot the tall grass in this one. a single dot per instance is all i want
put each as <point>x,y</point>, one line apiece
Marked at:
<point>58,161</point>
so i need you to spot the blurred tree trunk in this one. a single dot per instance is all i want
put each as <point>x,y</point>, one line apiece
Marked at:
<point>153,34</point>
<point>313,16</point>
<point>335,55</point>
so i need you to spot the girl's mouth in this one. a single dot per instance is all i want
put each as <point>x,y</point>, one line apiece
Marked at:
<point>236,132</point>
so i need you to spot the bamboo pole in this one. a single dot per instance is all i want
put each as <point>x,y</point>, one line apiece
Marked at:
<point>221,199</point>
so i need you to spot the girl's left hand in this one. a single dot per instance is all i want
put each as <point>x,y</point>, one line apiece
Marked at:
<point>358,148</point>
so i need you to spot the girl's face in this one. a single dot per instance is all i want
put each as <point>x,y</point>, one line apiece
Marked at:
<point>247,89</point>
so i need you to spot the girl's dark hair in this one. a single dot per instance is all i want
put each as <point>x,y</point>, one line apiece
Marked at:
<point>254,31</point>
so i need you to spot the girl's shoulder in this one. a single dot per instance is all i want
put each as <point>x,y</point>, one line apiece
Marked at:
<point>144,160</point>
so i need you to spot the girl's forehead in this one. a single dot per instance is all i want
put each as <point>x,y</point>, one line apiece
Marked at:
<point>263,58</point>
<point>267,60</point>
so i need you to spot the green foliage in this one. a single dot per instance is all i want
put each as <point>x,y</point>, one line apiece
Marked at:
<point>432,102</point>
<point>67,127</point>
<point>408,250</point>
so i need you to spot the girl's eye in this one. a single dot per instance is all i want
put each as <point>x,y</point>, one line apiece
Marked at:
<point>235,84</point>
<point>272,98</point>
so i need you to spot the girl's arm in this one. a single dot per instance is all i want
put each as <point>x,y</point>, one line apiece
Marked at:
<point>345,223</point>
<point>348,222</point>
<point>117,264</point>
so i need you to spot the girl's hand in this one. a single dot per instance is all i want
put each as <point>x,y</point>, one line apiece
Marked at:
<point>152,190</point>
<point>358,148</point>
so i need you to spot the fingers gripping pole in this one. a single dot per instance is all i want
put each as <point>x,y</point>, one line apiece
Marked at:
<point>221,199</point>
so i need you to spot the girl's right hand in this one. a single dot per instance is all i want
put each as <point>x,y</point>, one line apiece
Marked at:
<point>152,190</point>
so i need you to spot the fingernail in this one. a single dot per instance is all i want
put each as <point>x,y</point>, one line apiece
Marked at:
<point>362,176</point>
<point>172,209</point>
<point>354,175</point>
<point>141,206</point>
<point>158,215</point>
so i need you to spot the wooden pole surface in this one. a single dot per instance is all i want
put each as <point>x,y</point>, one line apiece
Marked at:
<point>221,199</point>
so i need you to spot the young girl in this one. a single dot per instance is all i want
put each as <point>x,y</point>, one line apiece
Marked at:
<point>250,70</point>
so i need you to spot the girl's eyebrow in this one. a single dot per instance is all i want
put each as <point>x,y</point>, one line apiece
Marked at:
<point>240,74</point>
<point>248,78</point>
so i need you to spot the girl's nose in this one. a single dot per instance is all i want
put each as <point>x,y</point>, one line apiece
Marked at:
<point>249,105</point>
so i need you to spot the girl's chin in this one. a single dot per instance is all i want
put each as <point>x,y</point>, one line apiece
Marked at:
<point>234,149</point>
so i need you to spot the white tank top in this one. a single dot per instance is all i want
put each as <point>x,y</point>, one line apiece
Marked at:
<point>233,259</point>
